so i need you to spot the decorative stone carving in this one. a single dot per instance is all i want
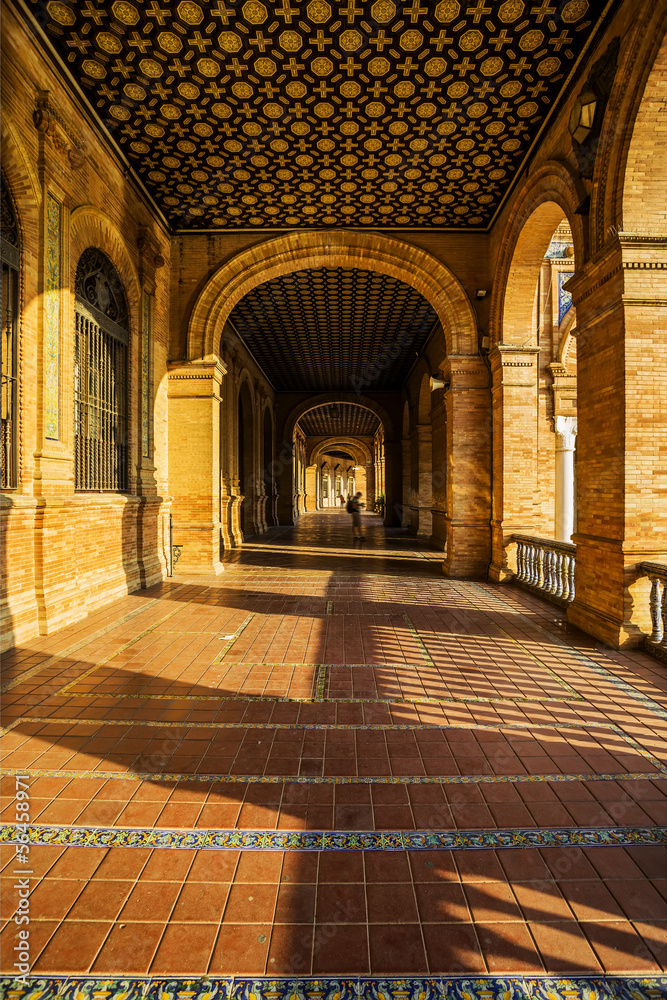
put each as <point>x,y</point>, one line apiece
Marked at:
<point>52,125</point>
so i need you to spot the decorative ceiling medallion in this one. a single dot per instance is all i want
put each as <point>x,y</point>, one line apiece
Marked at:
<point>321,114</point>
<point>334,329</point>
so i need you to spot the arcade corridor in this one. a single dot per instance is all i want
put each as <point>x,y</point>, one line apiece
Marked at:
<point>337,763</point>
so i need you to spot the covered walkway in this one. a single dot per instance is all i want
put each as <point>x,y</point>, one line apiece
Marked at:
<point>326,762</point>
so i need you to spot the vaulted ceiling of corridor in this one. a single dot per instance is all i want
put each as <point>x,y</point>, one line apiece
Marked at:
<point>334,328</point>
<point>251,114</point>
<point>342,420</point>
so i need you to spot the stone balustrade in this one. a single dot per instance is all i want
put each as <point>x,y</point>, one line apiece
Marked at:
<point>656,642</point>
<point>546,567</point>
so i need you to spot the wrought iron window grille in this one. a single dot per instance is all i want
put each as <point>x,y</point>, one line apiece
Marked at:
<point>101,447</point>
<point>10,256</point>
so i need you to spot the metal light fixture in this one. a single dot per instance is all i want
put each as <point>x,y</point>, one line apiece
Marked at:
<point>436,383</point>
<point>334,412</point>
<point>582,116</point>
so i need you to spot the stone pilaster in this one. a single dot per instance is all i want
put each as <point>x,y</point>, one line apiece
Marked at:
<point>620,297</point>
<point>439,479</point>
<point>514,372</point>
<point>467,549</point>
<point>195,400</point>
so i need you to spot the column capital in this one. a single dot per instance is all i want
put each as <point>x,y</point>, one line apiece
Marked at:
<point>566,433</point>
<point>464,371</point>
<point>517,365</point>
<point>198,378</point>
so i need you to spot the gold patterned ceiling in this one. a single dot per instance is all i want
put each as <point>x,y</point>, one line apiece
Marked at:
<point>334,328</point>
<point>262,115</point>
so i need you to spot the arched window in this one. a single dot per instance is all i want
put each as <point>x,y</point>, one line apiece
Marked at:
<point>10,250</point>
<point>100,375</point>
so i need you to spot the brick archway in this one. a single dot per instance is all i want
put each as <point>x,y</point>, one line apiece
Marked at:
<point>343,443</point>
<point>631,151</point>
<point>338,397</point>
<point>552,193</point>
<point>298,251</point>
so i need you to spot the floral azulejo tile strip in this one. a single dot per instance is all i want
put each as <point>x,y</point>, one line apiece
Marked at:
<point>465,987</point>
<point>309,779</point>
<point>52,319</point>
<point>330,840</point>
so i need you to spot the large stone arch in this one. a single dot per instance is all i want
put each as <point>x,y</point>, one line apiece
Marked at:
<point>552,192</point>
<point>298,251</point>
<point>326,398</point>
<point>340,442</point>
<point>631,150</point>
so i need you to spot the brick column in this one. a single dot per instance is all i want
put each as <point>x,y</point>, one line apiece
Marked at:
<point>393,478</point>
<point>439,460</point>
<point>620,296</point>
<point>229,483</point>
<point>467,550</point>
<point>515,449</point>
<point>424,480</point>
<point>195,406</point>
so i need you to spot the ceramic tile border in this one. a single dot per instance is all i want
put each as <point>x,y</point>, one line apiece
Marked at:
<point>431,987</point>
<point>332,840</point>
<point>303,779</point>
<point>364,726</point>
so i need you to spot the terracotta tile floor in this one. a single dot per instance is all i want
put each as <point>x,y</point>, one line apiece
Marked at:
<point>315,688</point>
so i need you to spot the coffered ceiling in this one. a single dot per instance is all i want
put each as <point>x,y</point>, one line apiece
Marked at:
<point>339,419</point>
<point>271,115</point>
<point>334,328</point>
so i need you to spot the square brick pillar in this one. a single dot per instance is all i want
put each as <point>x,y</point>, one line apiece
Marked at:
<point>468,547</point>
<point>439,463</point>
<point>620,297</point>
<point>514,372</point>
<point>195,408</point>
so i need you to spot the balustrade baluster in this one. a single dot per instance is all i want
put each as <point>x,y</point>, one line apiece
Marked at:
<point>656,610</point>
<point>663,615</point>
<point>570,576</point>
<point>553,567</point>
<point>547,566</point>
<point>565,577</point>
<point>560,559</point>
